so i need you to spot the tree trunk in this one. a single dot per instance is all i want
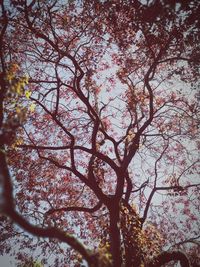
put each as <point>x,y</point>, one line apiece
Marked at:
<point>115,237</point>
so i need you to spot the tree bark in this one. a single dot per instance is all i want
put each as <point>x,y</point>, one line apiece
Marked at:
<point>115,237</point>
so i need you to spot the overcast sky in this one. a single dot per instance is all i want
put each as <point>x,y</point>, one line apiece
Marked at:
<point>7,261</point>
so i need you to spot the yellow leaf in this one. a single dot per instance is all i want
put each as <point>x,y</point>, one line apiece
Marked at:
<point>28,94</point>
<point>14,67</point>
<point>26,79</point>
<point>18,110</point>
<point>19,141</point>
<point>10,76</point>
<point>32,107</point>
<point>18,89</point>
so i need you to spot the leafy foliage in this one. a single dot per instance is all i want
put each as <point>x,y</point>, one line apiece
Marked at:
<point>104,153</point>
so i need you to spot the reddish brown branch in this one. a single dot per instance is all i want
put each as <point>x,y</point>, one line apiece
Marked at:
<point>80,209</point>
<point>166,257</point>
<point>50,233</point>
<point>7,206</point>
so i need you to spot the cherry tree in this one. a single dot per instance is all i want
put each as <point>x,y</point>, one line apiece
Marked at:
<point>99,132</point>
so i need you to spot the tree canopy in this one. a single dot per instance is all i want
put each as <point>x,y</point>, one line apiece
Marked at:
<point>99,132</point>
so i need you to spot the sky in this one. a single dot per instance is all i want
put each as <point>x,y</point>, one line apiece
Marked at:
<point>7,261</point>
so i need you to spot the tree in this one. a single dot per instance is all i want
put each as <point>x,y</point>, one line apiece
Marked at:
<point>102,143</point>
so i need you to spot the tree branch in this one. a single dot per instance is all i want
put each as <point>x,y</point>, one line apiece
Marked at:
<point>166,257</point>
<point>81,209</point>
<point>51,232</point>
